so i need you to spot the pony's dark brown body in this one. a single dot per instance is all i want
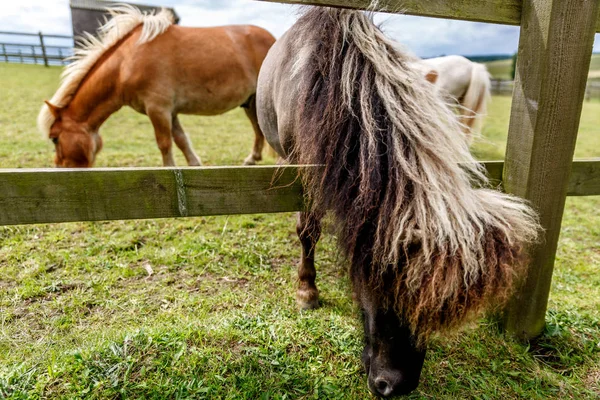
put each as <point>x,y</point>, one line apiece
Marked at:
<point>425,249</point>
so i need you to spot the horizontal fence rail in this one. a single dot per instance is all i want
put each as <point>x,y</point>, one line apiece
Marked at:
<point>35,34</point>
<point>505,87</point>
<point>52,195</point>
<point>31,196</point>
<point>494,11</point>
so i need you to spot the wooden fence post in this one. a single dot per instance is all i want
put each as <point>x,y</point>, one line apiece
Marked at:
<point>43,49</point>
<point>555,49</point>
<point>4,52</point>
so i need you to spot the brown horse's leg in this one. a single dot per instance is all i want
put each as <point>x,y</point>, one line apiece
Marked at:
<point>308,228</point>
<point>183,142</point>
<point>161,121</point>
<point>259,138</point>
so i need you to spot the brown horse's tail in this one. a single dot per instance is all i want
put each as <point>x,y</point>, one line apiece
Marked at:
<point>420,239</point>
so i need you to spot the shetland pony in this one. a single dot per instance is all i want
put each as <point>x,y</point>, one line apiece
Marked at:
<point>159,69</point>
<point>462,82</point>
<point>425,249</point>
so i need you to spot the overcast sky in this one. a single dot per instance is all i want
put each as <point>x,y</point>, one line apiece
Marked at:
<point>426,37</point>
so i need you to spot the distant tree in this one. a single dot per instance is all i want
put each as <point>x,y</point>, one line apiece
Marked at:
<point>513,69</point>
<point>489,57</point>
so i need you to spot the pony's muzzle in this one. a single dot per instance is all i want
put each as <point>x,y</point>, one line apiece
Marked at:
<point>385,386</point>
<point>392,383</point>
<point>393,374</point>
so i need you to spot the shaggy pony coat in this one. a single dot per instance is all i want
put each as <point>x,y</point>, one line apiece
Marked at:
<point>420,238</point>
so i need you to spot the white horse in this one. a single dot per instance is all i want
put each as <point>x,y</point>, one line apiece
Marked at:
<point>463,82</point>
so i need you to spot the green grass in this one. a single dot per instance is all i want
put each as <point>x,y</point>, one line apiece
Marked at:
<point>492,143</point>
<point>81,316</point>
<point>595,67</point>
<point>595,63</point>
<point>500,69</point>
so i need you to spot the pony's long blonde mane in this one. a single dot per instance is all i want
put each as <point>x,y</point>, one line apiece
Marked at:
<point>124,19</point>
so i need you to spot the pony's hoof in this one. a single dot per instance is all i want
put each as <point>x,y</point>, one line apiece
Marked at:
<point>249,161</point>
<point>307,299</point>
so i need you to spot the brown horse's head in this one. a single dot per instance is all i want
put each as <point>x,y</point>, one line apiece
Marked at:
<point>75,145</point>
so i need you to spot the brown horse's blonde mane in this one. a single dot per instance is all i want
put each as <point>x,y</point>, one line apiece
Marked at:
<point>125,19</point>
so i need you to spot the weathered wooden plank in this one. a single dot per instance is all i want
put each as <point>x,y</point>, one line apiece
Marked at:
<point>55,195</point>
<point>583,181</point>
<point>496,11</point>
<point>494,171</point>
<point>554,55</point>
<point>59,195</point>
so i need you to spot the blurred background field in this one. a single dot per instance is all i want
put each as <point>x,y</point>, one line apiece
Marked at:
<point>502,69</point>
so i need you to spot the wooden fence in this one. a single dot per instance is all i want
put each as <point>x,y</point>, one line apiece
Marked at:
<point>33,48</point>
<point>33,196</point>
<point>546,107</point>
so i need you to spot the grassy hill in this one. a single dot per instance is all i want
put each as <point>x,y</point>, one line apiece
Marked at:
<point>500,69</point>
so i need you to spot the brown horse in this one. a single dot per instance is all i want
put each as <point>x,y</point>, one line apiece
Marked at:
<point>161,70</point>
<point>426,249</point>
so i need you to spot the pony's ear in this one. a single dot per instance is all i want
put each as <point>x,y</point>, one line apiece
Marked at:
<point>432,76</point>
<point>55,110</point>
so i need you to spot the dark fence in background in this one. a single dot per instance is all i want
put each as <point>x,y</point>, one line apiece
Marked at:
<point>505,87</point>
<point>502,87</point>
<point>35,48</point>
<point>592,90</point>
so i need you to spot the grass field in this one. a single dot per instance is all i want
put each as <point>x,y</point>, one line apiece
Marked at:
<point>501,69</point>
<point>204,307</point>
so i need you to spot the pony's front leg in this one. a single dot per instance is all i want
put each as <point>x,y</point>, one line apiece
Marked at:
<point>161,121</point>
<point>308,228</point>
<point>183,142</point>
<point>259,138</point>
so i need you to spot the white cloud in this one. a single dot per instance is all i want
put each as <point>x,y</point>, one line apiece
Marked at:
<point>424,36</point>
<point>276,18</point>
<point>50,16</point>
<point>429,37</point>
